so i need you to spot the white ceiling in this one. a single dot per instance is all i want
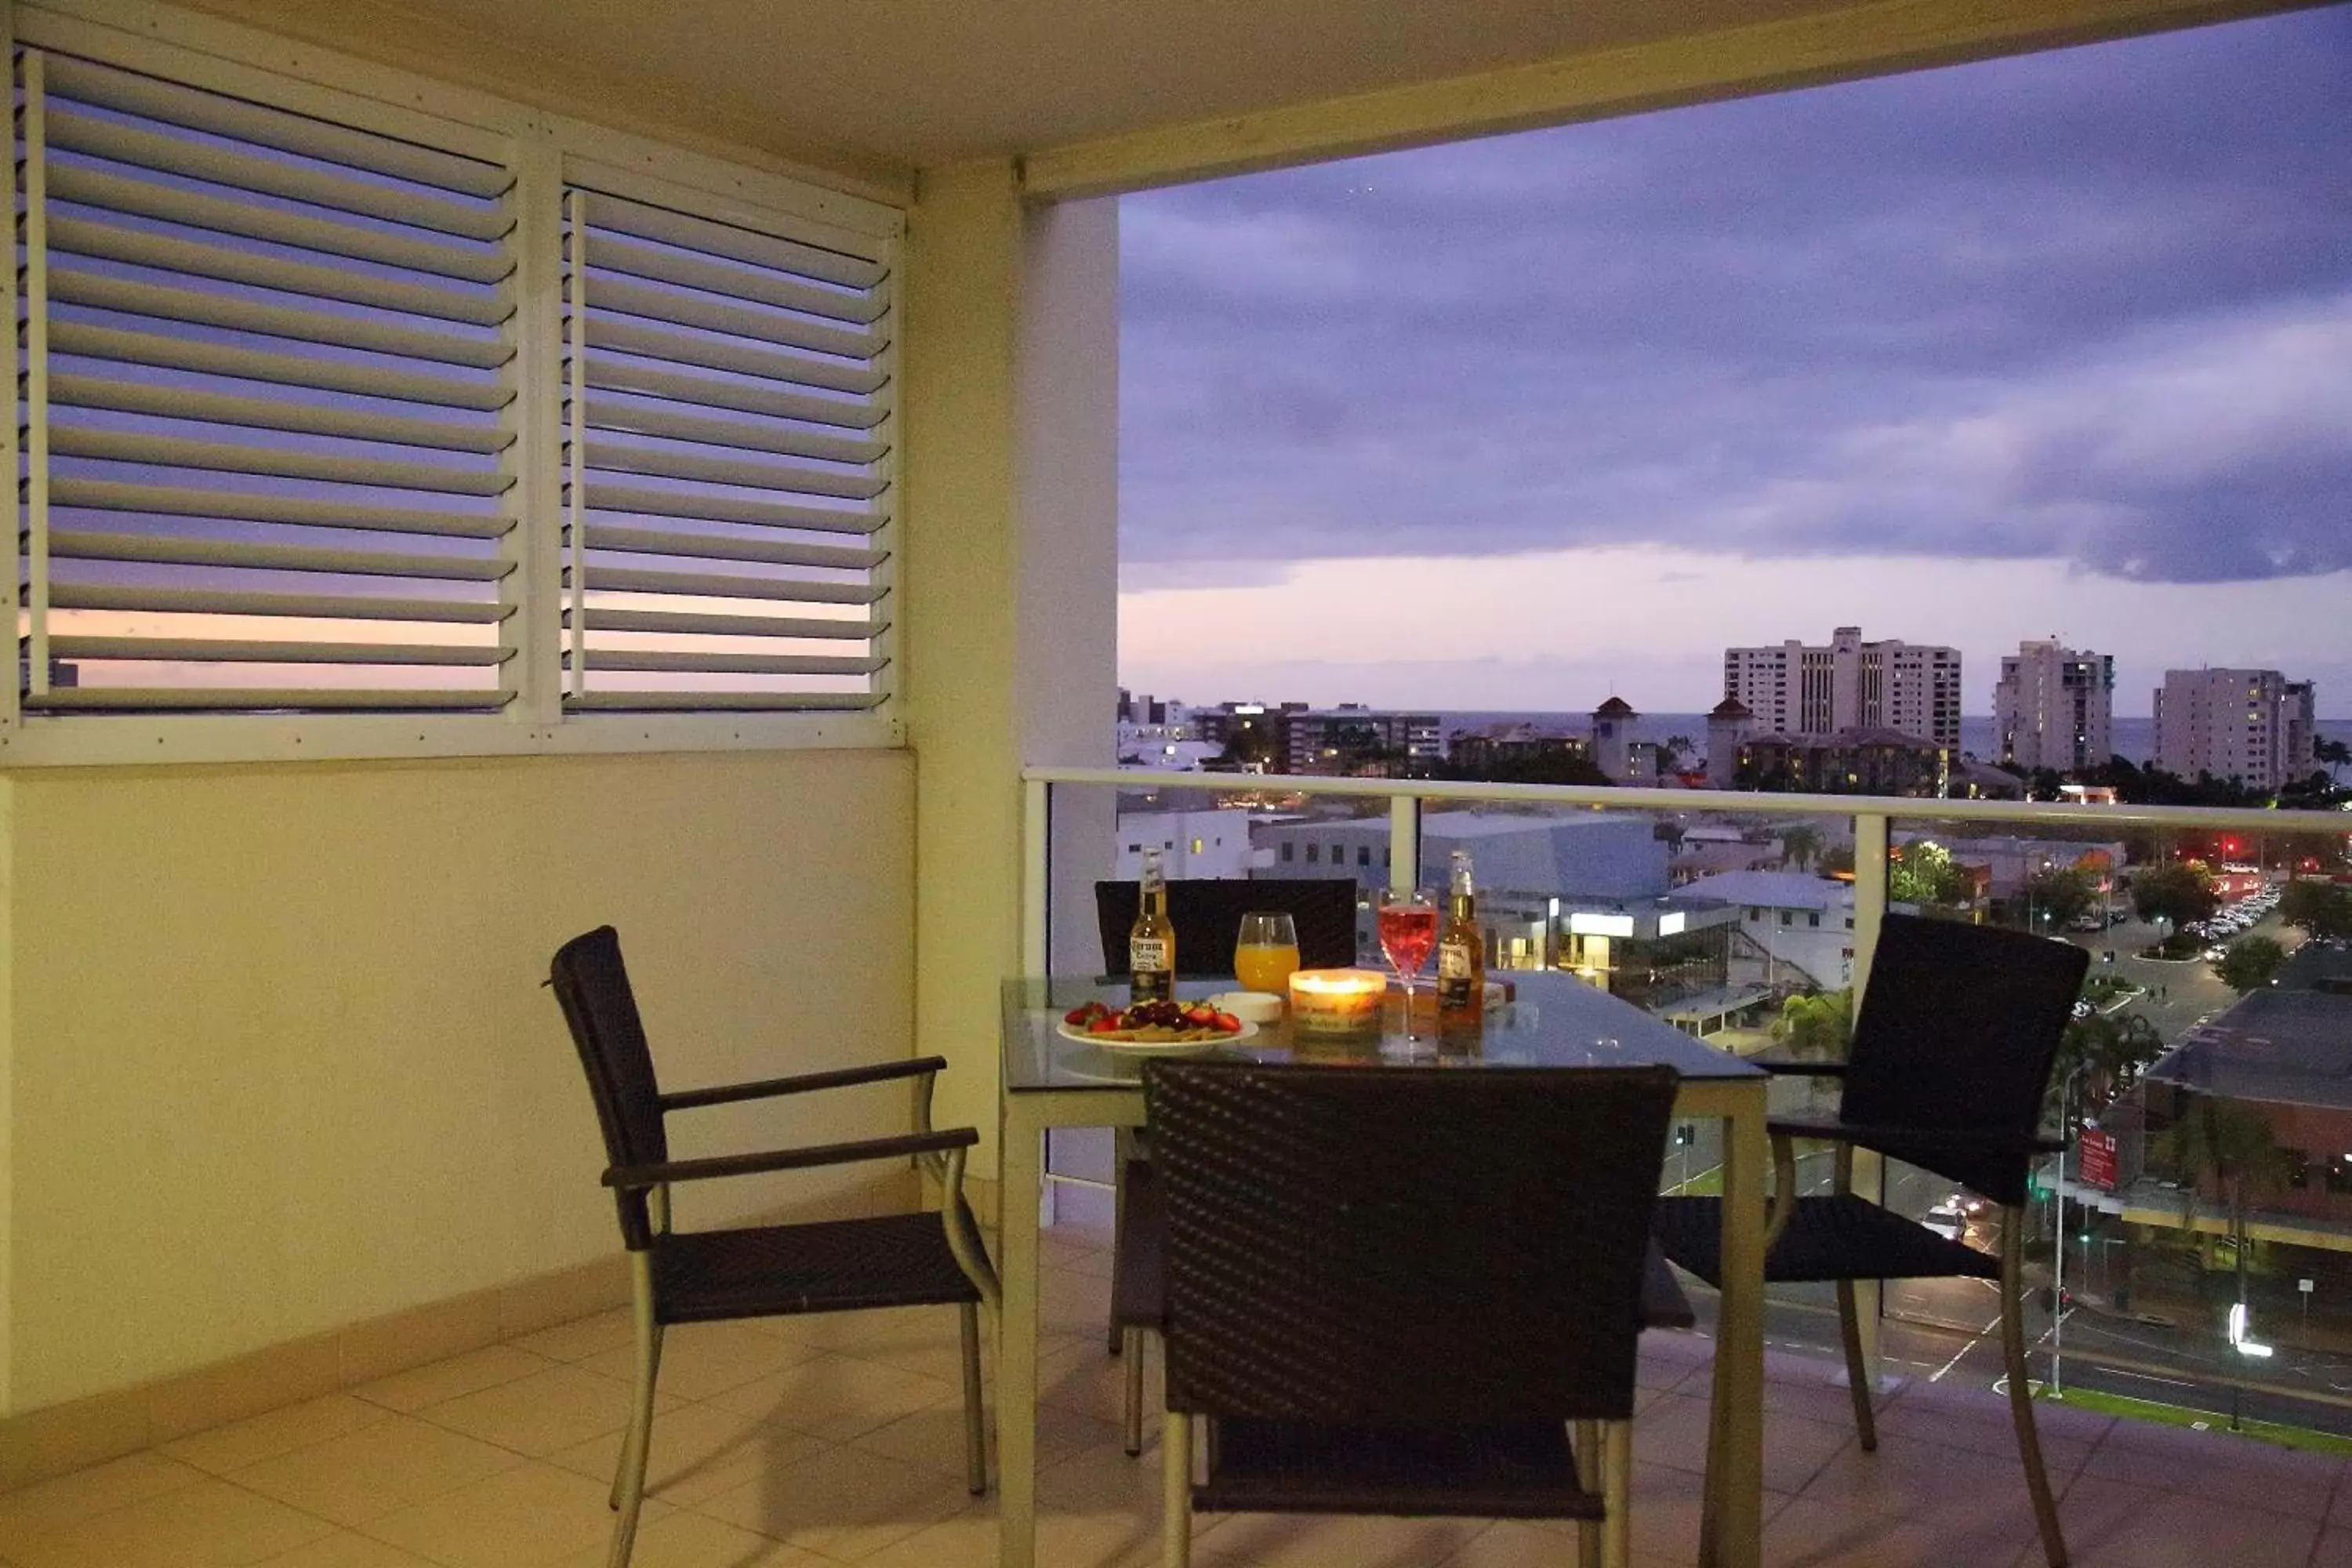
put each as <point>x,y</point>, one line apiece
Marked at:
<point>916,82</point>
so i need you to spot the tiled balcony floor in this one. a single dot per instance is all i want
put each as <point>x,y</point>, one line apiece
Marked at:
<point>803,1444</point>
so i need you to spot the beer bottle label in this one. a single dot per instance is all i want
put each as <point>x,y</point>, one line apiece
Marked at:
<point>1453,961</point>
<point>1147,955</point>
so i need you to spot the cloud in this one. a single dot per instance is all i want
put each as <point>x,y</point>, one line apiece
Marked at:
<point>2097,302</point>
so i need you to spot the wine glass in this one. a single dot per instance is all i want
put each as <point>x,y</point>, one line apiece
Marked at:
<point>1267,952</point>
<point>1408,925</point>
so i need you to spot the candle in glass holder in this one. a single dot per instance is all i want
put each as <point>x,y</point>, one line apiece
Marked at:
<point>1337,1001</point>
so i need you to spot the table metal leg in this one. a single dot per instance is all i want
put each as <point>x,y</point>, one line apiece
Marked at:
<point>1020,1181</point>
<point>1736,1457</point>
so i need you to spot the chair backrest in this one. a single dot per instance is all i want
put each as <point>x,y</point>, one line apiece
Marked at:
<point>1959,1027</point>
<point>592,985</point>
<point>1405,1245</point>
<point>1207,915</point>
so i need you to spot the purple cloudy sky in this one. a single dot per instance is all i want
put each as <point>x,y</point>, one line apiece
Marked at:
<point>2060,344</point>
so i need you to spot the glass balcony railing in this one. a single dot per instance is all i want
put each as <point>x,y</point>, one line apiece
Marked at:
<point>2193,1247</point>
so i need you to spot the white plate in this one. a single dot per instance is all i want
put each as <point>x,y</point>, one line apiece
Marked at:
<point>1152,1047</point>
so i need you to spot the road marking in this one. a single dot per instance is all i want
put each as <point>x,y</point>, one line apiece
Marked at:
<point>1937,1375</point>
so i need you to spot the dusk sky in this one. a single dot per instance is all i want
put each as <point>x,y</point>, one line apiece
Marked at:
<point>2053,345</point>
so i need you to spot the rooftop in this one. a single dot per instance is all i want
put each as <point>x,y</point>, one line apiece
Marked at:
<point>1771,889</point>
<point>2288,1043</point>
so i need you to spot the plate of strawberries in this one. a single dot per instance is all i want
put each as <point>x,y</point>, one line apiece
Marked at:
<point>1150,1027</point>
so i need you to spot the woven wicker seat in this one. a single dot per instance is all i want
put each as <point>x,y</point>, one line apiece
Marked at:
<point>699,1277</point>
<point>1395,1291</point>
<point>1948,1068</point>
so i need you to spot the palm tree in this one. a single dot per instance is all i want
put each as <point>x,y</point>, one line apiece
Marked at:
<point>2230,1142</point>
<point>1800,845</point>
<point>2105,1055</point>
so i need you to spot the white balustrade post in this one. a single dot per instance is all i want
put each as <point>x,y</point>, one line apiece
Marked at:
<point>1870,879</point>
<point>1405,843</point>
<point>1036,858</point>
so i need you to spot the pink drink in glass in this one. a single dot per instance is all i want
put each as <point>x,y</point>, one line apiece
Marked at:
<point>1407,933</point>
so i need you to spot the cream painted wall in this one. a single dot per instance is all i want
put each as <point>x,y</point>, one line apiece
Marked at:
<point>279,1057</point>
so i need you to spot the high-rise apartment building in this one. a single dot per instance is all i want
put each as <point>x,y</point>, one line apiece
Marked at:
<point>2252,727</point>
<point>2054,707</point>
<point>1795,689</point>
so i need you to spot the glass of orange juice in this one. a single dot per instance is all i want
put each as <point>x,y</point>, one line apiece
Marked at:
<point>1267,954</point>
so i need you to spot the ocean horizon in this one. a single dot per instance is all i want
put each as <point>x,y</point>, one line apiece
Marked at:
<point>2134,737</point>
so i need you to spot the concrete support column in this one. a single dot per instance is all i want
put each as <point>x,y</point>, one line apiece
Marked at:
<point>1008,573</point>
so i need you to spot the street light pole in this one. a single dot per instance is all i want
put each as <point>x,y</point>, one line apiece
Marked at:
<point>2058,1240</point>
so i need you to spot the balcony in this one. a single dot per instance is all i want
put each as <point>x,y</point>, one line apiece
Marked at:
<point>804,1444</point>
<point>299,1241</point>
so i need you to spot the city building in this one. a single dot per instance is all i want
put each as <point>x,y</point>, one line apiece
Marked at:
<point>1729,726</point>
<point>1501,744</point>
<point>1850,762</point>
<point>1798,689</point>
<point>2009,861</point>
<point>1191,844</point>
<point>1615,752</point>
<point>1657,954</point>
<point>2249,727</point>
<point>2286,1050</point>
<point>1586,854</point>
<point>1293,737</point>
<point>1795,931</point>
<point>2053,708</point>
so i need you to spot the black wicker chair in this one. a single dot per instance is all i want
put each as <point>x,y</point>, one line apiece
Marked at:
<point>1949,1064</point>
<point>1394,1291</point>
<point>1207,915</point>
<point>892,1260</point>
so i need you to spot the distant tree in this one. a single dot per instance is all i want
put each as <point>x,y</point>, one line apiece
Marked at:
<point>2044,784</point>
<point>1800,845</point>
<point>2249,963</point>
<point>2320,908</point>
<point>1925,873</point>
<point>1563,766</point>
<point>2058,895</point>
<point>2179,891</point>
<point>1816,1026</point>
<point>1837,861</point>
<point>2335,754</point>
<point>1672,751</point>
<point>1251,741</point>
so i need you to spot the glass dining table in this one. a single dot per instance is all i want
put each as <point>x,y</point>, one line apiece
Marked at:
<point>1554,1020</point>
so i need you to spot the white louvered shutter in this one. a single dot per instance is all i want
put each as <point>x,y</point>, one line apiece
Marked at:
<point>267,406</point>
<point>727,462</point>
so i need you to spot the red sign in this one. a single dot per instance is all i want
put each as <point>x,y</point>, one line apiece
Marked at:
<point>2097,1150</point>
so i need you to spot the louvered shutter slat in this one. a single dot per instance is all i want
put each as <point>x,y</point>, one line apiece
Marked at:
<point>247,699</point>
<point>166,352</point>
<point>273,414</point>
<point>259,125</point>
<point>275,383</point>
<point>729,408</point>
<point>75,545</point>
<point>170,501</point>
<point>248,650</point>
<point>317,281</point>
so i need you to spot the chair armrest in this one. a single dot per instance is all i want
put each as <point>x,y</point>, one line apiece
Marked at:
<point>1898,1140</point>
<point>1788,1066</point>
<point>638,1177</point>
<point>840,1077</point>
